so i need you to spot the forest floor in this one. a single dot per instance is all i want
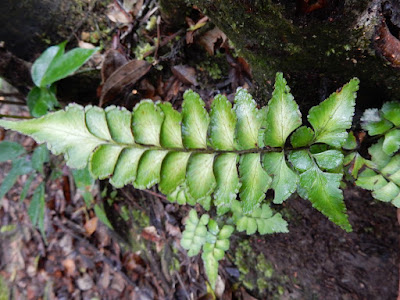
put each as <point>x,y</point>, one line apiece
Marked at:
<point>138,255</point>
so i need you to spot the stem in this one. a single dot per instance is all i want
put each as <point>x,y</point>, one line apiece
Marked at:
<point>14,117</point>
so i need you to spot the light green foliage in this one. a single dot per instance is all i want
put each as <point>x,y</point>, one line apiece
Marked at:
<point>205,233</point>
<point>195,121</point>
<point>284,180</point>
<point>207,159</point>
<point>194,236</point>
<point>217,243</point>
<point>248,120</point>
<point>303,136</point>
<point>222,124</point>
<point>384,122</point>
<point>197,158</point>
<point>50,67</point>
<point>283,115</point>
<point>261,219</point>
<point>322,188</point>
<point>332,117</point>
<point>382,175</point>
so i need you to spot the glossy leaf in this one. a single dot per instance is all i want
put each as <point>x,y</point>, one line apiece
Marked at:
<point>222,124</point>
<point>303,136</point>
<point>283,115</point>
<point>248,120</point>
<point>42,64</point>
<point>64,65</point>
<point>333,117</point>
<point>255,181</point>
<point>322,189</point>
<point>284,180</point>
<point>41,100</point>
<point>195,121</point>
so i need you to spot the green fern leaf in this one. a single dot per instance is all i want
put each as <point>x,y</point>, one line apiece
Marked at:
<point>146,123</point>
<point>303,136</point>
<point>194,157</point>
<point>171,136</point>
<point>261,219</point>
<point>65,133</point>
<point>322,189</point>
<point>195,233</point>
<point>283,115</point>
<point>222,124</point>
<point>228,183</point>
<point>333,117</point>
<point>217,242</point>
<point>391,112</point>
<point>255,181</point>
<point>284,180</point>
<point>391,144</point>
<point>382,176</point>
<point>195,121</point>
<point>248,120</point>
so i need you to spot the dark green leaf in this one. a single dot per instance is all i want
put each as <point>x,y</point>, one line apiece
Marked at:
<point>10,150</point>
<point>41,100</point>
<point>40,156</point>
<point>65,65</point>
<point>36,209</point>
<point>41,65</point>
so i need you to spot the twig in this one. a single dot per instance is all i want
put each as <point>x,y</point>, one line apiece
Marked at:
<point>16,95</point>
<point>14,117</point>
<point>164,42</point>
<point>12,102</point>
<point>158,37</point>
<point>155,194</point>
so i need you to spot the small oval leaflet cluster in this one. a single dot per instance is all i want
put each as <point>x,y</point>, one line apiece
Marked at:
<point>228,157</point>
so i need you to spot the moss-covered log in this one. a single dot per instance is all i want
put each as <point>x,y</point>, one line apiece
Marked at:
<point>315,42</point>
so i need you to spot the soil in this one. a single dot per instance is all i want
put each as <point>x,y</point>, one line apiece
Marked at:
<point>329,263</point>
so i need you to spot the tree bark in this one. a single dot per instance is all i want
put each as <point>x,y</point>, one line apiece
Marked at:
<point>318,46</point>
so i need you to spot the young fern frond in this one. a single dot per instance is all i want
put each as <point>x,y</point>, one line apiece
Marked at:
<point>196,157</point>
<point>381,174</point>
<point>384,122</point>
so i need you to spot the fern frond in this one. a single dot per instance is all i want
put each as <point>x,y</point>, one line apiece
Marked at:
<point>197,157</point>
<point>261,219</point>
<point>384,122</point>
<point>381,175</point>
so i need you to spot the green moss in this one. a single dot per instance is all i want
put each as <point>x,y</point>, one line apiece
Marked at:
<point>4,289</point>
<point>257,273</point>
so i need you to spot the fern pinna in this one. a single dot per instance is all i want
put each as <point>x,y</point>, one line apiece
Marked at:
<point>232,152</point>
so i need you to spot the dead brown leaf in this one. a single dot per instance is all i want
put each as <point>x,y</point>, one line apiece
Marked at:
<point>209,39</point>
<point>117,14</point>
<point>91,225</point>
<point>185,74</point>
<point>69,265</point>
<point>112,61</point>
<point>125,76</point>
